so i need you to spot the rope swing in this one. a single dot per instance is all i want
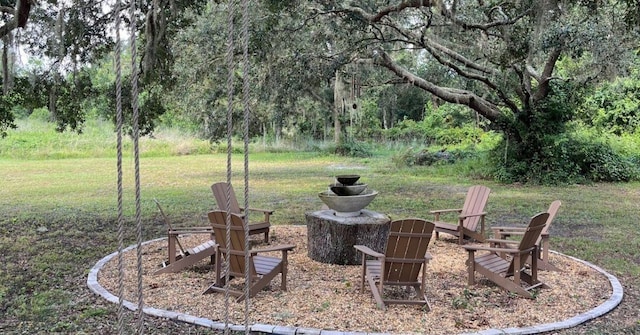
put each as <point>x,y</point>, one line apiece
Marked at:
<point>136,135</point>
<point>230,63</point>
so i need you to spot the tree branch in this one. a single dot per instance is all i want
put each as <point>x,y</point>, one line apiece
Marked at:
<point>485,26</point>
<point>433,45</point>
<point>376,17</point>
<point>20,15</point>
<point>457,96</point>
<point>7,10</point>
<point>545,77</point>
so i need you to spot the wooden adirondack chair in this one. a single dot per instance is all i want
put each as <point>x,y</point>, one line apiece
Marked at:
<point>262,269</point>
<point>220,192</point>
<point>185,257</point>
<point>542,242</point>
<point>404,257</point>
<point>469,216</point>
<point>500,270</point>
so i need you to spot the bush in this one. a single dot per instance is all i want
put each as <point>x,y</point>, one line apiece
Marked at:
<point>447,125</point>
<point>353,148</point>
<point>425,157</point>
<point>563,159</point>
<point>614,106</point>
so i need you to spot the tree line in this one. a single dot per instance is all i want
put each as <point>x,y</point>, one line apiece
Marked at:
<point>343,70</point>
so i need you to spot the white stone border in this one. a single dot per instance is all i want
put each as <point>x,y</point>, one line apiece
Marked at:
<point>611,303</point>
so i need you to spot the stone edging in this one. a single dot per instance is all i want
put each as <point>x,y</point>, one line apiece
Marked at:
<point>611,303</point>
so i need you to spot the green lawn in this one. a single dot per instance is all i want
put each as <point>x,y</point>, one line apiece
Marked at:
<point>59,218</point>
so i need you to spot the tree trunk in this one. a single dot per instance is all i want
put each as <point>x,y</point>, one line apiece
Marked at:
<point>6,73</point>
<point>331,238</point>
<point>338,107</point>
<point>53,96</point>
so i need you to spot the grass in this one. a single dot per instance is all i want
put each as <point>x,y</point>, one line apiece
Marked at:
<point>59,218</point>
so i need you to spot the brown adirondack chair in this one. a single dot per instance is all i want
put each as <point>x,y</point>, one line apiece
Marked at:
<point>184,257</point>
<point>262,269</point>
<point>404,257</point>
<point>222,189</point>
<point>499,270</point>
<point>469,216</point>
<point>542,242</point>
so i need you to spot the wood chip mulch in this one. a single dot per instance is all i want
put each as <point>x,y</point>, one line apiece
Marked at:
<point>326,296</point>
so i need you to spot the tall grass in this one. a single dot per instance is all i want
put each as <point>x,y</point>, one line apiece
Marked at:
<point>38,139</point>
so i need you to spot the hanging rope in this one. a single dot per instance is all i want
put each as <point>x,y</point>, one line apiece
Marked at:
<point>136,154</point>
<point>119,172</point>
<point>119,122</point>
<point>135,125</point>
<point>229,60</point>
<point>245,103</point>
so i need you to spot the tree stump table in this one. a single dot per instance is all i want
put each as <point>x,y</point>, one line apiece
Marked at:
<point>330,238</point>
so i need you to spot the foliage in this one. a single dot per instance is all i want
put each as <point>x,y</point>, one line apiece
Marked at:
<point>564,158</point>
<point>284,74</point>
<point>426,157</point>
<point>71,98</point>
<point>402,102</point>
<point>352,148</point>
<point>614,106</point>
<point>443,126</point>
<point>369,126</point>
<point>7,120</point>
<point>539,148</point>
<point>518,69</point>
<point>150,108</point>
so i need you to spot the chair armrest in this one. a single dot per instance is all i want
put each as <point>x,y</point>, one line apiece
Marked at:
<point>438,211</point>
<point>283,247</point>
<point>368,251</point>
<point>190,230</point>
<point>464,216</point>
<point>509,229</point>
<point>480,247</point>
<point>266,211</point>
<point>501,241</point>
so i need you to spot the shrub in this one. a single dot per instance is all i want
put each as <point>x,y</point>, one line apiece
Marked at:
<point>353,148</point>
<point>563,159</point>
<point>425,157</point>
<point>614,106</point>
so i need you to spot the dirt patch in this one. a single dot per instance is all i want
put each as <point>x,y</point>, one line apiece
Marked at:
<point>327,296</point>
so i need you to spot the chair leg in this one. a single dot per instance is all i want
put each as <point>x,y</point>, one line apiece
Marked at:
<point>376,290</point>
<point>471,268</point>
<point>460,232</point>
<point>363,272</point>
<point>284,264</point>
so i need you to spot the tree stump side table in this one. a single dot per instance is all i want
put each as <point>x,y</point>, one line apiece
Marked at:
<point>331,238</point>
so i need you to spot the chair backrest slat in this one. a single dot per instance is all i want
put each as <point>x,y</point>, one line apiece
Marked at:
<point>406,249</point>
<point>220,192</point>
<point>553,210</point>
<point>530,237</point>
<point>475,202</point>
<point>218,221</point>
